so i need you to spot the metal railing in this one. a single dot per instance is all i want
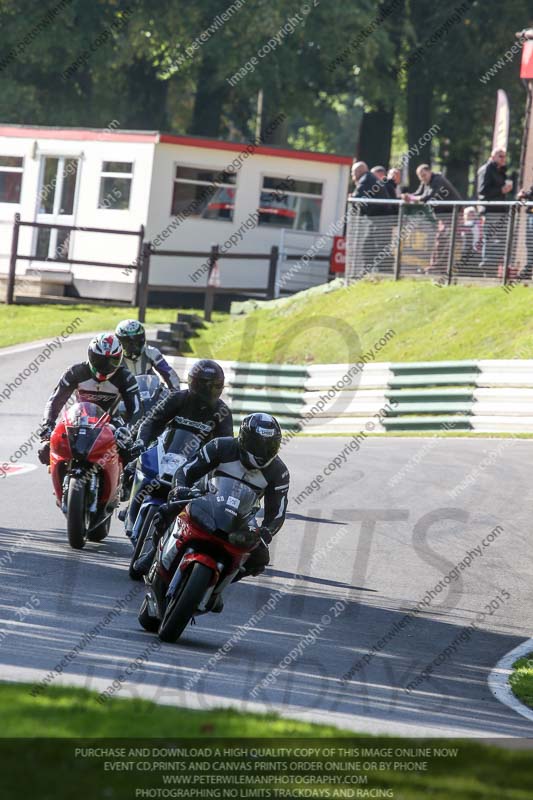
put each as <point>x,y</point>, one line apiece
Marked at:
<point>209,272</point>
<point>440,240</point>
<point>140,265</point>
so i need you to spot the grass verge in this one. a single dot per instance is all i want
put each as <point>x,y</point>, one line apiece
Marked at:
<point>430,323</point>
<point>521,679</point>
<point>51,769</point>
<point>68,712</point>
<point>20,323</point>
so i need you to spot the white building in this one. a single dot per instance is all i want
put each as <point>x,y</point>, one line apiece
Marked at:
<point>189,193</point>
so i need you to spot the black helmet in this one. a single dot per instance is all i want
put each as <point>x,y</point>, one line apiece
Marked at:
<point>259,440</point>
<point>132,337</point>
<point>104,355</point>
<point>206,381</point>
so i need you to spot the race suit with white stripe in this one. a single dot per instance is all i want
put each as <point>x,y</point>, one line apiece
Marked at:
<point>79,377</point>
<point>150,360</point>
<point>221,457</point>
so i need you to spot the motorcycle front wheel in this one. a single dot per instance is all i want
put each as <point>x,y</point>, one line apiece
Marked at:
<point>134,574</point>
<point>182,606</point>
<point>77,513</point>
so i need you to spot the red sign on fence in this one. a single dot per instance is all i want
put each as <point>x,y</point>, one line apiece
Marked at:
<point>526,70</point>
<point>337,260</point>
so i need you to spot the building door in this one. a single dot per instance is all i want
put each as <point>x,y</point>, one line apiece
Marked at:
<point>56,203</point>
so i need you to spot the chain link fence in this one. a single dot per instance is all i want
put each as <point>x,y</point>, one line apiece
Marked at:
<point>442,240</point>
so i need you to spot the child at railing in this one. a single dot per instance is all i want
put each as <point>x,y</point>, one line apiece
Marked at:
<point>471,233</point>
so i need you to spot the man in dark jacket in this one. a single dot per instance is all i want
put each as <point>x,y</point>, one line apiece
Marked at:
<point>392,184</point>
<point>366,184</point>
<point>433,187</point>
<point>492,190</point>
<point>492,184</point>
<point>376,232</point>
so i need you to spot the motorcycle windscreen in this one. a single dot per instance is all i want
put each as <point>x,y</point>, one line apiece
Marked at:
<point>179,445</point>
<point>229,506</point>
<point>149,386</point>
<point>149,389</point>
<point>82,432</point>
<point>82,414</point>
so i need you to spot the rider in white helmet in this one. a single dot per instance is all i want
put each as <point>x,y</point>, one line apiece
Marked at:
<point>142,358</point>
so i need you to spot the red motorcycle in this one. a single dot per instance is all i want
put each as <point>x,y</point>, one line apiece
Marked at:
<point>199,557</point>
<point>86,470</point>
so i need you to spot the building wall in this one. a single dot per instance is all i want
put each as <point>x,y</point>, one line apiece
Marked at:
<point>90,246</point>
<point>150,204</point>
<point>199,234</point>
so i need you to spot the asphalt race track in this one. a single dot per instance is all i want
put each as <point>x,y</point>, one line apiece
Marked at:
<point>376,538</point>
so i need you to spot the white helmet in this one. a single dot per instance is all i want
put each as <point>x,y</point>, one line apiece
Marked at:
<point>104,355</point>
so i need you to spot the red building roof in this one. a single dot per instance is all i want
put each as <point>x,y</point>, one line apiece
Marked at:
<point>108,135</point>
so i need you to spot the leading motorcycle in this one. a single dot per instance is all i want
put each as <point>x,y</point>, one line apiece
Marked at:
<point>199,556</point>
<point>85,468</point>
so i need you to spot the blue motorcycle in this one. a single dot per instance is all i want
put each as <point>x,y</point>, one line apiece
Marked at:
<point>154,473</point>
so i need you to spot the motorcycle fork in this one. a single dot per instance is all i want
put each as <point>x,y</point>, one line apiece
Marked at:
<point>72,471</point>
<point>216,588</point>
<point>64,495</point>
<point>93,489</point>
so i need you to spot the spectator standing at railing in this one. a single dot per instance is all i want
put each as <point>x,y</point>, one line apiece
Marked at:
<point>392,181</point>
<point>493,188</point>
<point>434,186</point>
<point>381,175</point>
<point>367,185</point>
<point>392,184</point>
<point>524,194</point>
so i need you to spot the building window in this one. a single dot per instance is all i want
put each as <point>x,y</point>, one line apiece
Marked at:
<point>11,169</point>
<point>115,185</point>
<point>204,193</point>
<point>290,203</point>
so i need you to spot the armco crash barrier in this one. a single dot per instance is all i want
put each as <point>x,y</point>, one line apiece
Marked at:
<point>484,396</point>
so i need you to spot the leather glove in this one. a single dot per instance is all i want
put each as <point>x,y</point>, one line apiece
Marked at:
<point>163,518</point>
<point>44,453</point>
<point>45,431</point>
<point>246,538</point>
<point>265,535</point>
<point>123,437</point>
<point>183,494</point>
<point>136,449</point>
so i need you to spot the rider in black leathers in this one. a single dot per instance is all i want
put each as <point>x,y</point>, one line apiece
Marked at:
<point>198,408</point>
<point>252,458</point>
